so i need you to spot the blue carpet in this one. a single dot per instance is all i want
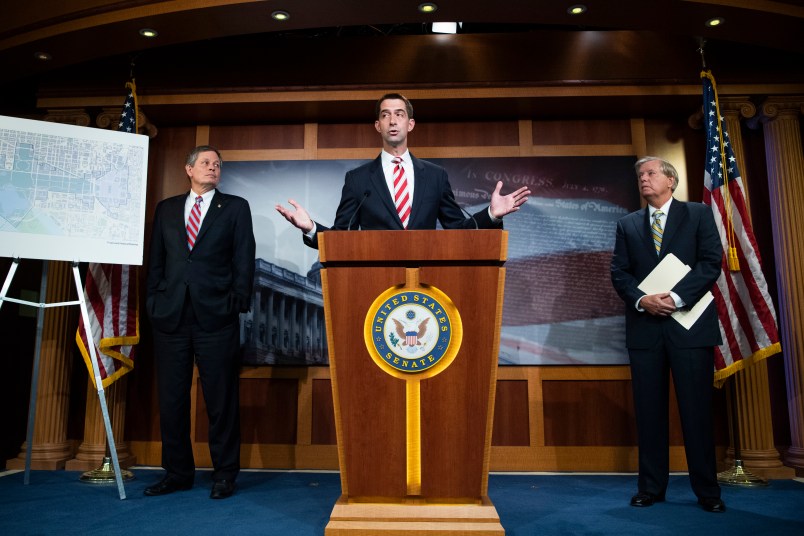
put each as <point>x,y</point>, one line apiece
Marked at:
<point>296,503</point>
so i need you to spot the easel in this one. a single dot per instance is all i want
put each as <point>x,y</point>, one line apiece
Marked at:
<point>37,349</point>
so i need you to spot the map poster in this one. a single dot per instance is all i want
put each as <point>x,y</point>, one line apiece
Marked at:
<point>71,193</point>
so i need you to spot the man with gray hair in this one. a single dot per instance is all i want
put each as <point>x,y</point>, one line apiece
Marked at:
<point>659,345</point>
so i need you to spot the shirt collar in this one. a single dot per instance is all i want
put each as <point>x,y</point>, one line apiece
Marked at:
<point>664,208</point>
<point>387,157</point>
<point>207,196</point>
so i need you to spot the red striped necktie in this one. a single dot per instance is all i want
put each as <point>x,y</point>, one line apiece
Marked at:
<point>401,194</point>
<point>194,222</point>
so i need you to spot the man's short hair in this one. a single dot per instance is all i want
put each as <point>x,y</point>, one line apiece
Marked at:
<point>393,96</point>
<point>664,166</point>
<point>193,156</point>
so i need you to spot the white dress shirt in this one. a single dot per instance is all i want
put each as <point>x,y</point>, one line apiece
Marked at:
<point>188,205</point>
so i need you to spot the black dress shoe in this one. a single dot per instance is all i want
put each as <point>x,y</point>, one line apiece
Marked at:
<point>646,499</point>
<point>167,485</point>
<point>712,504</point>
<point>222,489</point>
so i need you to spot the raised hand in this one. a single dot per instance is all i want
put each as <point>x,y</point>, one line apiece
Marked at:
<point>298,217</point>
<point>506,204</point>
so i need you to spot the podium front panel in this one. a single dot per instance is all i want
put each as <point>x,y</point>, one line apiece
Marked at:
<point>456,405</point>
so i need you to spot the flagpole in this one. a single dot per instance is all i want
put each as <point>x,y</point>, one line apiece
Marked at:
<point>702,43</point>
<point>109,470</point>
<point>737,475</point>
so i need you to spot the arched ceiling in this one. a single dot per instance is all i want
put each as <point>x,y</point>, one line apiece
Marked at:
<point>219,46</point>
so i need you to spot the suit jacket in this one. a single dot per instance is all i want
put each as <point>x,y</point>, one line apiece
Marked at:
<point>433,201</point>
<point>218,273</point>
<point>691,235</point>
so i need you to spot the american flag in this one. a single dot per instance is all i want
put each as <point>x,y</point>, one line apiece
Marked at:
<point>128,116</point>
<point>745,310</point>
<point>112,300</point>
<point>112,297</point>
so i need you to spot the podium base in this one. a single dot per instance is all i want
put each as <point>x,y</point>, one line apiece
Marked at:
<point>381,519</point>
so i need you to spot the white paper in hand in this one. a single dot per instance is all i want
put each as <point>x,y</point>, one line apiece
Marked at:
<point>667,275</point>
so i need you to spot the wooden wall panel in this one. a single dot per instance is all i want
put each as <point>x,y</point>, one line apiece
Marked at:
<point>487,134</point>
<point>582,132</point>
<point>353,136</point>
<point>253,137</point>
<point>469,134</point>
<point>511,414</point>
<point>166,175</point>
<point>323,414</point>
<point>586,413</point>
<point>268,410</point>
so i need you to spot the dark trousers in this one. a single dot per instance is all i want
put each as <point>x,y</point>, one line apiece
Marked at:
<point>693,375</point>
<point>217,356</point>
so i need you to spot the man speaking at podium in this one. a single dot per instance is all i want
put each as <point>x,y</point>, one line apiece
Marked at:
<point>397,191</point>
<point>657,343</point>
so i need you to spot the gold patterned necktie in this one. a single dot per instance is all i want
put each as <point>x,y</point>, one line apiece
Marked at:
<point>656,230</point>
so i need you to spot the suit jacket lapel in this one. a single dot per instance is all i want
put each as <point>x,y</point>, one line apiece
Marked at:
<point>676,215</point>
<point>179,223</point>
<point>645,232</point>
<point>420,184</point>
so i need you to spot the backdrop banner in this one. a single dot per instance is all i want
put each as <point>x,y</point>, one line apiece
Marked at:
<point>560,307</point>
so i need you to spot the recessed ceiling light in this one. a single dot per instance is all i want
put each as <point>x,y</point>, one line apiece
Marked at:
<point>427,7</point>
<point>577,9</point>
<point>280,15</point>
<point>148,32</point>
<point>717,21</point>
<point>43,56</point>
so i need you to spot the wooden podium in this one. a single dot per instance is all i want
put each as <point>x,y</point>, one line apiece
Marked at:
<point>414,434</point>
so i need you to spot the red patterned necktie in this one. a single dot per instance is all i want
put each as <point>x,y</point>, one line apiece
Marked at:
<point>401,194</point>
<point>194,222</point>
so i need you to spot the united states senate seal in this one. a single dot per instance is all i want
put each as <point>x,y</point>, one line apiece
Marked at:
<point>413,331</point>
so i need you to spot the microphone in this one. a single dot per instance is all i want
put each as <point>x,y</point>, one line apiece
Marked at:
<point>470,216</point>
<point>365,196</point>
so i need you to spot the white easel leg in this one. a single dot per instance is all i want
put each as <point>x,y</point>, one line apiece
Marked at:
<point>99,385</point>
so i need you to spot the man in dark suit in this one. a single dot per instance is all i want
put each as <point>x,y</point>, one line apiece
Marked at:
<point>200,278</point>
<point>657,343</point>
<point>398,191</point>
